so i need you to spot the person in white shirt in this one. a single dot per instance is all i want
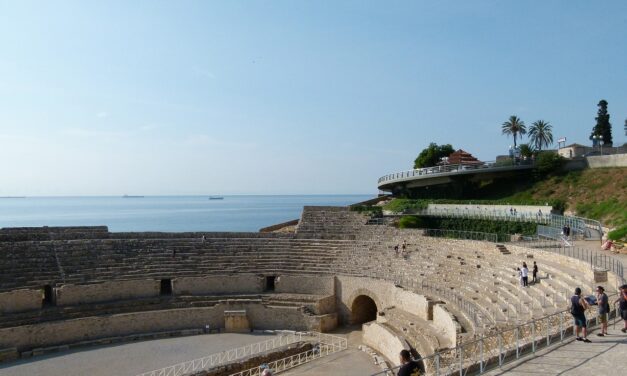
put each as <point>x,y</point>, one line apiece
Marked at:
<point>524,272</point>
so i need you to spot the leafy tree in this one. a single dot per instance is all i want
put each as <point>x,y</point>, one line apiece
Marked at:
<point>526,151</point>
<point>541,134</point>
<point>548,163</point>
<point>432,155</point>
<point>603,127</point>
<point>514,126</point>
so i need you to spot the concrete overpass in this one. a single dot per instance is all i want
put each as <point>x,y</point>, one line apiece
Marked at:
<point>444,174</point>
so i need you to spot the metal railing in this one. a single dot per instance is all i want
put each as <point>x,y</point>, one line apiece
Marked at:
<point>451,168</point>
<point>595,259</point>
<point>227,356</point>
<point>326,345</point>
<point>494,350</point>
<point>578,225</point>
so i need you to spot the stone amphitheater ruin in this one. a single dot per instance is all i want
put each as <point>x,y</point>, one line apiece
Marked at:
<point>74,286</point>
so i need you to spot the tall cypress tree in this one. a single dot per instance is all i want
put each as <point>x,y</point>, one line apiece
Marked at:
<point>603,126</point>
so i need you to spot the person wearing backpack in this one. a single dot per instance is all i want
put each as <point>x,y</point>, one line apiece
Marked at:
<point>578,306</point>
<point>604,309</point>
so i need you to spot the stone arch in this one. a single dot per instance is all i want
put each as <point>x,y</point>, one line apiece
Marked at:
<point>363,307</point>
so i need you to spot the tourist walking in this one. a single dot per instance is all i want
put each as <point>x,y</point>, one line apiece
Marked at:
<point>535,272</point>
<point>604,309</point>
<point>396,250</point>
<point>524,273</point>
<point>578,306</point>
<point>622,306</point>
<point>408,366</point>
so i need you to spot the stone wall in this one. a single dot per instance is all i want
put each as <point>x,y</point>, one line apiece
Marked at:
<point>107,291</point>
<point>443,320</point>
<point>20,300</point>
<point>384,341</point>
<point>64,332</point>
<point>319,285</point>
<point>601,161</point>
<point>326,305</point>
<point>383,293</point>
<point>218,284</point>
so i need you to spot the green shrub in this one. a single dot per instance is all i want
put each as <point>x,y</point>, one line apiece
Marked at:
<point>618,234</point>
<point>368,209</point>
<point>403,205</point>
<point>410,222</point>
<point>548,163</point>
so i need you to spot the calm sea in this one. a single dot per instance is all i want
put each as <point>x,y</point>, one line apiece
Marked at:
<point>163,213</point>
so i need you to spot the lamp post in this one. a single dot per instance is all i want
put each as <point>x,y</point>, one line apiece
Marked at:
<point>598,139</point>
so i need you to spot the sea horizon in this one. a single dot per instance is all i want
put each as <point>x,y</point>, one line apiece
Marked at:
<point>167,213</point>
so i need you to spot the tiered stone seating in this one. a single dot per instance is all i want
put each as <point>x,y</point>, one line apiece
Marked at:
<point>329,241</point>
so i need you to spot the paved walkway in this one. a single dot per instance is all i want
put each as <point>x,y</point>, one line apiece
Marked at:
<point>129,358</point>
<point>604,356</point>
<point>350,362</point>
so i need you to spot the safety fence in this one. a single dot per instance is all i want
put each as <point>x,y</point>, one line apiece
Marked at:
<point>596,259</point>
<point>224,357</point>
<point>584,227</point>
<point>325,345</point>
<point>496,349</point>
<point>450,169</point>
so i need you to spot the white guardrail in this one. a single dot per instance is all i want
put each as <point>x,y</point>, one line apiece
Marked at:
<point>227,356</point>
<point>451,168</point>
<point>326,345</point>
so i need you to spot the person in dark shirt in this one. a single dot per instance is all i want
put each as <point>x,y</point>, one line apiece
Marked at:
<point>604,309</point>
<point>408,366</point>
<point>578,306</point>
<point>535,272</point>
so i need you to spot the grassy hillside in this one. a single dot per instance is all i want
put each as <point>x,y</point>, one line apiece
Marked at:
<point>592,193</point>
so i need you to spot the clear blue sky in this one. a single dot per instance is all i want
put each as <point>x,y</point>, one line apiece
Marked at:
<point>235,97</point>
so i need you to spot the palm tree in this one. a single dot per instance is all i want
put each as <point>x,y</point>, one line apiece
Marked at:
<point>541,134</point>
<point>515,127</point>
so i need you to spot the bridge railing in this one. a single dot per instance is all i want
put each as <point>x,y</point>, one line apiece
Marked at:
<point>428,171</point>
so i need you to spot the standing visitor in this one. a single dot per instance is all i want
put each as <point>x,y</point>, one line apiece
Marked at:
<point>604,309</point>
<point>520,279</point>
<point>404,247</point>
<point>622,306</point>
<point>524,273</point>
<point>408,366</point>
<point>578,306</point>
<point>396,250</point>
<point>535,272</point>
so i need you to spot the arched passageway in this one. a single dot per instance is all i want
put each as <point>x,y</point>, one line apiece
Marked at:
<point>364,309</point>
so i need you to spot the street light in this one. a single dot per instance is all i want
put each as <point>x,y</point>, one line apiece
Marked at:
<point>598,139</point>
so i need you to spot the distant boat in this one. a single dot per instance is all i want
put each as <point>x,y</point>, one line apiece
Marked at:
<point>131,196</point>
<point>216,198</point>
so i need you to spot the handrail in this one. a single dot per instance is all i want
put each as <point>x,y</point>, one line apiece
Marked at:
<point>473,353</point>
<point>327,345</point>
<point>501,347</point>
<point>479,165</point>
<point>224,357</point>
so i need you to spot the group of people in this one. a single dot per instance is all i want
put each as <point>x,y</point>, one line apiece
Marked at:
<point>403,250</point>
<point>579,305</point>
<point>523,274</point>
